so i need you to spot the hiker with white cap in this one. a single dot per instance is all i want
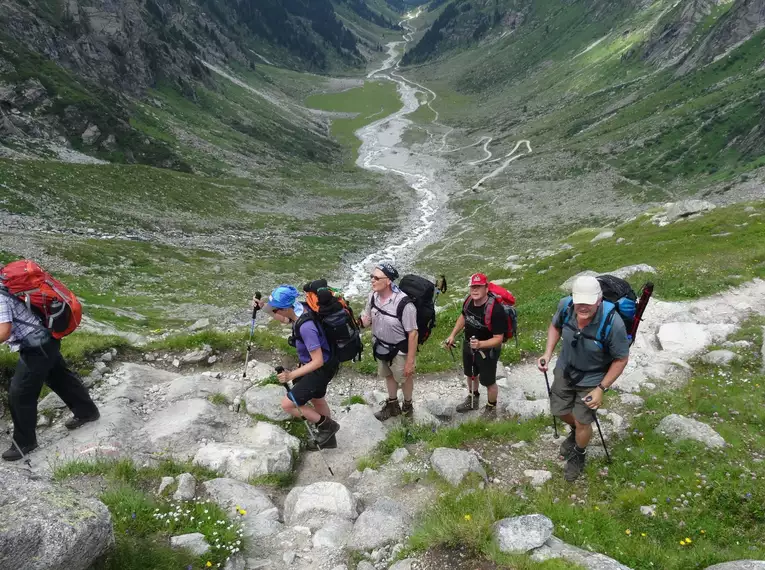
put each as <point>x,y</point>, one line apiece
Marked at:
<point>588,364</point>
<point>393,318</point>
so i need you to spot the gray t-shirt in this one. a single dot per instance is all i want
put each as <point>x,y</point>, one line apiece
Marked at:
<point>588,359</point>
<point>386,328</point>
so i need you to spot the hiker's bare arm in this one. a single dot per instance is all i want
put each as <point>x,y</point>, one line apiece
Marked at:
<point>5,331</point>
<point>614,371</point>
<point>553,336</point>
<point>412,354</point>
<point>317,361</point>
<point>493,342</point>
<point>458,326</point>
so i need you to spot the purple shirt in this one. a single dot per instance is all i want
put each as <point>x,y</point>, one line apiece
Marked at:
<point>312,339</point>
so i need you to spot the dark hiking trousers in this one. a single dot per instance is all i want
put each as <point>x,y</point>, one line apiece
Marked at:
<point>38,366</point>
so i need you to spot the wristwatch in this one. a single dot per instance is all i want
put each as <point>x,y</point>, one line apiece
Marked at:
<point>603,388</point>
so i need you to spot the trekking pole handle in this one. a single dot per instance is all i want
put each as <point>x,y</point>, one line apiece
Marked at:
<point>287,385</point>
<point>256,308</point>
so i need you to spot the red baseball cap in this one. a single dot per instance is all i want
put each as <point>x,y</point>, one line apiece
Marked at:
<point>478,279</point>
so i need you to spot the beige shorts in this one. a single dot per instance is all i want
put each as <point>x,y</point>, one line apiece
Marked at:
<point>396,368</point>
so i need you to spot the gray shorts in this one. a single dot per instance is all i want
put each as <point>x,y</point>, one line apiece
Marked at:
<point>565,398</point>
<point>395,368</point>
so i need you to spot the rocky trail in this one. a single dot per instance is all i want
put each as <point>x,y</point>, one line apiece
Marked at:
<point>154,409</point>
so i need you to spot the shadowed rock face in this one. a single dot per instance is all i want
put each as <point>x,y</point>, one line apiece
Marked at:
<point>671,40</point>
<point>45,527</point>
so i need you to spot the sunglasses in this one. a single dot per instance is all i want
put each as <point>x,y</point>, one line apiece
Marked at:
<point>376,278</point>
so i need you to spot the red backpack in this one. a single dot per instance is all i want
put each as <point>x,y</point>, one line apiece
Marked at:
<point>47,297</point>
<point>506,300</point>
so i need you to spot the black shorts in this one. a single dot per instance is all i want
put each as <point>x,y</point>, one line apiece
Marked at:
<point>476,365</point>
<point>314,385</point>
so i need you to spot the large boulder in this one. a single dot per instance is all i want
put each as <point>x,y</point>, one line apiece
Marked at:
<point>516,535</point>
<point>385,522</point>
<point>526,409</point>
<point>686,208</point>
<point>45,527</point>
<point>360,431</point>
<point>333,534</point>
<point>242,462</point>
<point>454,464</point>
<point>678,428</point>
<point>316,504</point>
<point>683,339</point>
<point>719,357</point>
<point>180,426</point>
<point>556,548</point>
<point>197,356</point>
<point>266,401</point>
<point>194,542</point>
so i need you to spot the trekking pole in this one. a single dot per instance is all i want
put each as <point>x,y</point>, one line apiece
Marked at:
<point>549,395</point>
<point>603,441</point>
<point>288,386</point>
<point>24,458</point>
<point>255,309</point>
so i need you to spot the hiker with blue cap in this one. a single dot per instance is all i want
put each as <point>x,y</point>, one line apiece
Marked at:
<point>316,370</point>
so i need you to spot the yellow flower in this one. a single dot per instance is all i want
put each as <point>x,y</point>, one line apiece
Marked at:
<point>703,532</point>
<point>688,541</point>
<point>597,508</point>
<point>682,543</point>
<point>209,564</point>
<point>642,534</point>
<point>628,532</point>
<point>468,517</point>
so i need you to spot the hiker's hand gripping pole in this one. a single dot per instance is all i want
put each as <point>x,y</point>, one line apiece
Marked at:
<point>543,362</point>
<point>255,309</point>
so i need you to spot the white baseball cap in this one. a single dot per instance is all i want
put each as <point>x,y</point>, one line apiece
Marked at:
<point>586,291</point>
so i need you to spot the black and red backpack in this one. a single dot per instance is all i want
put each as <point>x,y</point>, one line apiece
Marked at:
<point>506,300</point>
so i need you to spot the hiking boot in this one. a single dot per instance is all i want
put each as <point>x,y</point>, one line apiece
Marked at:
<point>489,412</point>
<point>331,443</point>
<point>13,454</point>
<point>74,422</point>
<point>567,447</point>
<point>407,410</point>
<point>326,430</point>
<point>390,409</point>
<point>470,403</point>
<point>574,466</point>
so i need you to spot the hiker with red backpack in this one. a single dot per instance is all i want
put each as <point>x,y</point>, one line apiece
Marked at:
<point>594,352</point>
<point>36,311</point>
<point>489,320</point>
<point>318,366</point>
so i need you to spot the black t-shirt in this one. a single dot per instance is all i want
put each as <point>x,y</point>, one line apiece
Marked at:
<point>475,325</point>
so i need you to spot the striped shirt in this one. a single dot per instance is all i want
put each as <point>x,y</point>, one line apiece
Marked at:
<point>389,329</point>
<point>16,313</point>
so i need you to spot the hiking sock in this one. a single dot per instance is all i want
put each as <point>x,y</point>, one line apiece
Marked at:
<point>321,421</point>
<point>476,393</point>
<point>580,450</point>
<point>408,403</point>
<point>492,404</point>
<point>392,400</point>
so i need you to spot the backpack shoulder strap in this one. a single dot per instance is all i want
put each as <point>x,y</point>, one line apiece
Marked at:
<point>565,316</point>
<point>465,305</point>
<point>606,322</point>
<point>489,310</point>
<point>307,315</point>
<point>401,306</point>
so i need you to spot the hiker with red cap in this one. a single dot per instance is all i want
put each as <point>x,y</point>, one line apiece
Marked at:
<point>487,326</point>
<point>594,352</point>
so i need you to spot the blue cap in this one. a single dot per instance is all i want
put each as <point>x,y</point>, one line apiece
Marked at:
<point>283,297</point>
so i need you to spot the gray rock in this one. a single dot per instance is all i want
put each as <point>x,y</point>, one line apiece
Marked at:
<point>199,325</point>
<point>314,505</point>
<point>385,522</point>
<point>719,357</point>
<point>360,431</point>
<point>212,360</point>
<point>632,400</point>
<point>526,409</point>
<point>739,565</point>
<point>556,548</point>
<point>737,344</point>
<point>686,208</point>
<point>193,542</point>
<point>333,534</point>
<point>51,402</point>
<point>521,534</point>
<point>603,235</point>
<point>100,366</point>
<point>538,477</point>
<point>187,487</point>
<point>106,357</point>
<point>364,565</point>
<point>197,356</point>
<point>236,562</point>
<point>91,134</point>
<point>261,516</point>
<point>176,363</point>
<point>439,407</point>
<point>683,339</point>
<point>180,426</point>
<point>289,557</point>
<point>454,464</point>
<point>242,462</point>
<point>164,484</point>
<point>405,564</point>
<point>629,270</point>
<point>399,455</point>
<point>678,428</point>
<point>45,527</point>
<point>266,401</point>
<point>257,371</point>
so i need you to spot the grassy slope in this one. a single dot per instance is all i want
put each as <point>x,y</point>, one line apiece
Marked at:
<point>709,503</point>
